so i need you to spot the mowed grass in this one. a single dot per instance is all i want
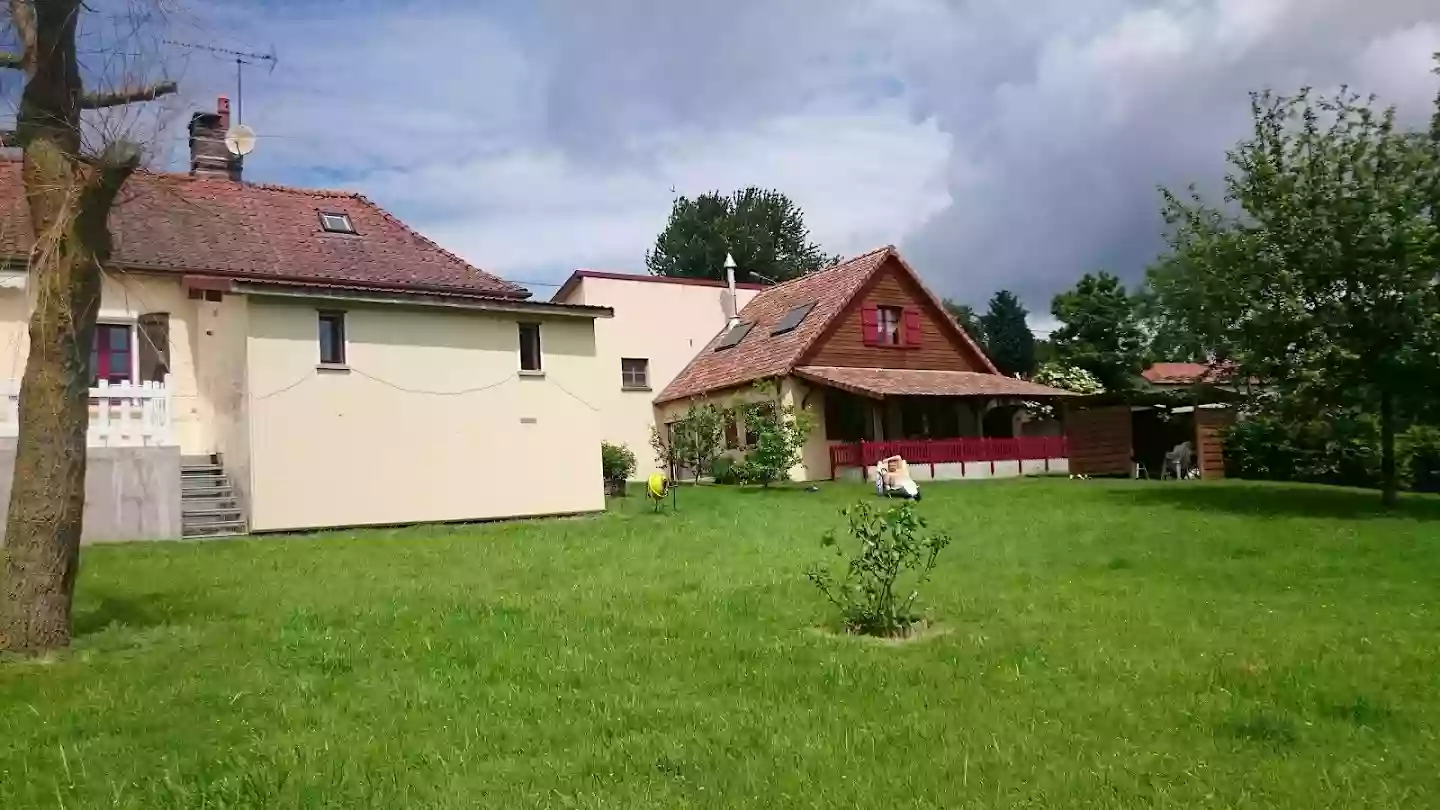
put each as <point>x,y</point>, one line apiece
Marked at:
<point>1100,644</point>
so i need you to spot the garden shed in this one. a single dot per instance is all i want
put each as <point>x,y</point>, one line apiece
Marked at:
<point>1130,433</point>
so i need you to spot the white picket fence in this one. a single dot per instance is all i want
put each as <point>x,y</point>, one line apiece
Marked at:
<point>122,415</point>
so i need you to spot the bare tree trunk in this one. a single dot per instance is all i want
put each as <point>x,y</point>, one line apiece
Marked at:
<point>1390,487</point>
<point>69,197</point>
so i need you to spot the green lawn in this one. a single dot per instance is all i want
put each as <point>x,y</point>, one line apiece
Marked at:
<point>1102,644</point>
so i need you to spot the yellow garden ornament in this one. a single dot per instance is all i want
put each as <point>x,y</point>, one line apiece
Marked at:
<point>656,488</point>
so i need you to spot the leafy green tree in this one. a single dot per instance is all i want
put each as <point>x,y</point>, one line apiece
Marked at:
<point>1318,275</point>
<point>1169,339</point>
<point>1100,330</point>
<point>1009,341</point>
<point>764,230</point>
<point>693,440</point>
<point>780,432</point>
<point>964,315</point>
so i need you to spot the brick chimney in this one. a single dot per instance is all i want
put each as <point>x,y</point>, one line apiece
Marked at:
<point>208,155</point>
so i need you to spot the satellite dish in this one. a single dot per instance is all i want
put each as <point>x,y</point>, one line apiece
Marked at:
<point>240,140</point>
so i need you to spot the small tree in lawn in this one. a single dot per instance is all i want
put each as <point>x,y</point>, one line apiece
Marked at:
<point>694,440</point>
<point>780,433</point>
<point>895,554</point>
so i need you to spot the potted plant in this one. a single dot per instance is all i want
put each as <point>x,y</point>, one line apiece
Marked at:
<point>618,464</point>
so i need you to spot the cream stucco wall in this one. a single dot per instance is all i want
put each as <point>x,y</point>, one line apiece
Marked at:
<point>666,323</point>
<point>432,422</point>
<point>794,393</point>
<point>125,297</point>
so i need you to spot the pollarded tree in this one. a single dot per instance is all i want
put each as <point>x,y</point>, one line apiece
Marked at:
<point>70,191</point>
<point>1320,274</point>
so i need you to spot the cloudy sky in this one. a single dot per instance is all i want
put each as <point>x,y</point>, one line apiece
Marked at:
<point>998,143</point>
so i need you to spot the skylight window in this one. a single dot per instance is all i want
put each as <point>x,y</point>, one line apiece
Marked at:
<point>736,334</point>
<point>793,318</point>
<point>336,223</point>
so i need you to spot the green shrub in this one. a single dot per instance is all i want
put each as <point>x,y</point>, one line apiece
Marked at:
<point>876,593</point>
<point>780,433</point>
<point>1418,451</point>
<point>616,461</point>
<point>1339,447</point>
<point>724,470</point>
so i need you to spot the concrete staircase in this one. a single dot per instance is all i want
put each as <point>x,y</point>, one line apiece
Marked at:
<point>208,506</point>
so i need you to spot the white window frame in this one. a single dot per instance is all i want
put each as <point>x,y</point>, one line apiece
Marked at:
<point>133,325</point>
<point>345,220</point>
<point>539,370</point>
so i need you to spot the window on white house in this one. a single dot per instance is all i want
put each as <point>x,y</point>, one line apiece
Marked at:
<point>530,347</point>
<point>635,373</point>
<point>887,324</point>
<point>332,338</point>
<point>112,353</point>
<point>334,222</point>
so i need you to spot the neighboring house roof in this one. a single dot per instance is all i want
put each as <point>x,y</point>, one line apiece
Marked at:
<point>574,280</point>
<point>259,233</point>
<point>760,354</point>
<point>1185,373</point>
<point>890,382</point>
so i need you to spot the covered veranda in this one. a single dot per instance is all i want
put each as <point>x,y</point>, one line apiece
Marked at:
<point>948,424</point>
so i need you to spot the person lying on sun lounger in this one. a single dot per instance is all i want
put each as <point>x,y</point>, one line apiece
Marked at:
<point>892,479</point>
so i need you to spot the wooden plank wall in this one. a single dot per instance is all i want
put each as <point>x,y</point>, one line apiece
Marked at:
<point>1101,440</point>
<point>1210,425</point>
<point>844,345</point>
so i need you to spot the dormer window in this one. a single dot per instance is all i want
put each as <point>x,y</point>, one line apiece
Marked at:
<point>332,222</point>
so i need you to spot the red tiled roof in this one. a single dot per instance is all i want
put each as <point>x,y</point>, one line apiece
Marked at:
<point>1185,373</point>
<point>216,226</point>
<point>582,273</point>
<point>761,355</point>
<point>891,382</point>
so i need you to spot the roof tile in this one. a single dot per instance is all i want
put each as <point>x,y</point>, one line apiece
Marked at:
<point>760,354</point>
<point>260,232</point>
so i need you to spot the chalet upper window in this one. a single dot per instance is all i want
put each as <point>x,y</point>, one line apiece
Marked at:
<point>332,338</point>
<point>793,318</point>
<point>530,348</point>
<point>892,326</point>
<point>733,337</point>
<point>334,222</point>
<point>887,325</point>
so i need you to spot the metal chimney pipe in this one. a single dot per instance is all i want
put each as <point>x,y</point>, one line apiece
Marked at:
<point>733,315</point>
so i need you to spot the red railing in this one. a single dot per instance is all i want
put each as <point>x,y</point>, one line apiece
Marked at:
<point>949,451</point>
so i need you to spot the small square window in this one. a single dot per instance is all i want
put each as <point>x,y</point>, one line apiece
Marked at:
<point>332,338</point>
<point>333,222</point>
<point>887,321</point>
<point>635,373</point>
<point>530,347</point>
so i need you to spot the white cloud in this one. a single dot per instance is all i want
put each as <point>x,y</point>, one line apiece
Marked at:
<point>862,179</point>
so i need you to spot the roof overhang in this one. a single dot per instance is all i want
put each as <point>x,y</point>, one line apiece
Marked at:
<point>517,306</point>
<point>880,383</point>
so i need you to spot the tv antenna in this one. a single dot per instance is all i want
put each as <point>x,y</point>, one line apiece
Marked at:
<point>242,58</point>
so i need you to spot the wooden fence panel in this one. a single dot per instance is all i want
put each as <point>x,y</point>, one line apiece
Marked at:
<point>1101,440</point>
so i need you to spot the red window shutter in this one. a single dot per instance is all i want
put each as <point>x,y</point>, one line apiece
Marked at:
<point>870,324</point>
<point>911,325</point>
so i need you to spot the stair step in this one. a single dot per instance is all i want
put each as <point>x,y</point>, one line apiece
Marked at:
<point>200,469</point>
<point>209,511</point>
<point>195,506</point>
<point>210,480</point>
<point>201,493</point>
<point>232,528</point>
